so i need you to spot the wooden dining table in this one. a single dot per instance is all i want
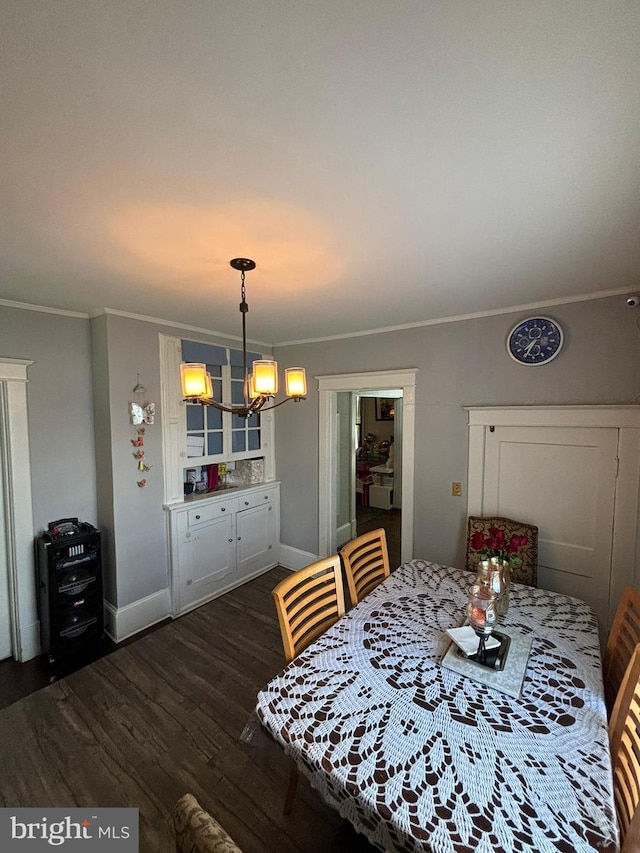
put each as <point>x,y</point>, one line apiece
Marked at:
<point>421,758</point>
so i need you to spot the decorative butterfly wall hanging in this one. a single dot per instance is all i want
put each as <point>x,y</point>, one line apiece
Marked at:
<point>142,414</point>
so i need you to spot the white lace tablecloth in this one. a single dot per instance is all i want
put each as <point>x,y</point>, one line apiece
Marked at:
<point>419,758</point>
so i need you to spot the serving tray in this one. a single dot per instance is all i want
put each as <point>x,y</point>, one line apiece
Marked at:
<point>509,663</point>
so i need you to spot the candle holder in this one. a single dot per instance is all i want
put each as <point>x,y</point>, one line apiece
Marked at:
<point>482,612</point>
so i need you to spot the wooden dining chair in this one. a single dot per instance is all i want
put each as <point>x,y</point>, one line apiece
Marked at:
<point>624,742</point>
<point>527,572</point>
<point>623,638</point>
<point>366,563</point>
<point>308,602</point>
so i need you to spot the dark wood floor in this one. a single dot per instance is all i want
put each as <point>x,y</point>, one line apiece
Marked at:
<point>18,680</point>
<point>163,715</point>
<point>369,518</point>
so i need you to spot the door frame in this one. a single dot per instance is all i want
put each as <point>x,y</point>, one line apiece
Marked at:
<point>328,387</point>
<point>18,515</point>
<point>625,552</point>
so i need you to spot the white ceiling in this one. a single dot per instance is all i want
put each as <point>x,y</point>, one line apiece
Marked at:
<point>385,162</point>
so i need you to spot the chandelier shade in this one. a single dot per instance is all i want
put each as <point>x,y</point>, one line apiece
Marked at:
<point>295,381</point>
<point>265,378</point>
<point>193,377</point>
<point>259,387</point>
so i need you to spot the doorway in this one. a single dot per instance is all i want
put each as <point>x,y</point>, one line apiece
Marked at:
<point>376,487</point>
<point>333,456</point>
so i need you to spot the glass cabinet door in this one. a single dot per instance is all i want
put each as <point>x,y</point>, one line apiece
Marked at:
<point>245,432</point>
<point>205,424</point>
<point>216,436</point>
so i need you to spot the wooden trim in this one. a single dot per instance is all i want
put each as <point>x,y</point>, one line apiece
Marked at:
<point>327,510</point>
<point>384,380</point>
<point>124,622</point>
<point>367,381</point>
<point>18,512</point>
<point>625,556</point>
<point>295,558</point>
<point>561,416</point>
<point>172,418</point>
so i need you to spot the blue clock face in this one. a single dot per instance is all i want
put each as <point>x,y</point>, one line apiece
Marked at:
<point>535,340</point>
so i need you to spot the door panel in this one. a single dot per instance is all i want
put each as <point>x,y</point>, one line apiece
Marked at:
<point>209,560</point>
<point>563,480</point>
<point>256,535</point>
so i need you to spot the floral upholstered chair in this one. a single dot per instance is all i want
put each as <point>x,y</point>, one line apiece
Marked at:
<point>524,568</point>
<point>198,832</point>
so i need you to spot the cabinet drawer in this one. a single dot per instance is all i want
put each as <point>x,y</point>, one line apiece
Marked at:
<point>252,499</point>
<point>209,512</point>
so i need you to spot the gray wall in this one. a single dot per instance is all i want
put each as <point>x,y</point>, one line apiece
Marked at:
<point>59,402</point>
<point>131,517</point>
<point>459,364</point>
<point>84,370</point>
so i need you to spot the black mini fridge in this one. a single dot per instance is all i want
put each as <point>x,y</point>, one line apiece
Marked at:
<point>69,578</point>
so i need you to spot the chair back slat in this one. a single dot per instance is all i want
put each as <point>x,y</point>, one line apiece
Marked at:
<point>623,638</point>
<point>624,741</point>
<point>366,563</point>
<point>308,602</point>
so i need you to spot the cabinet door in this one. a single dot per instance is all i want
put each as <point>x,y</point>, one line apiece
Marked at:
<point>208,566</point>
<point>256,531</point>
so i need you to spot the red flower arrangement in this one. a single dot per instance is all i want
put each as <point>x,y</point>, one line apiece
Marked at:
<point>495,544</point>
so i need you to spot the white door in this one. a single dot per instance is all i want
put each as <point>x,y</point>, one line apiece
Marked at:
<point>563,480</point>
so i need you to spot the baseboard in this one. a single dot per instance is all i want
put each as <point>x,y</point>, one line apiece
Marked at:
<point>294,559</point>
<point>123,622</point>
<point>344,534</point>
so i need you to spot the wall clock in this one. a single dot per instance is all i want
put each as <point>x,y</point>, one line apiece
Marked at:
<point>535,340</point>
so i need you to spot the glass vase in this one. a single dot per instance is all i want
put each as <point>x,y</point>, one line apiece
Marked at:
<point>496,574</point>
<point>482,613</point>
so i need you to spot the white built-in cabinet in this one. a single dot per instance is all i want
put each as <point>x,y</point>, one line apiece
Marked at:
<point>222,539</point>
<point>219,542</point>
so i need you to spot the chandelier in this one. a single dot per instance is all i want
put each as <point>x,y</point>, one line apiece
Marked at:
<point>258,387</point>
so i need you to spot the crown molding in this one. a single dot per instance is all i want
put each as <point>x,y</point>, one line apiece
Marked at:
<point>457,318</point>
<point>494,312</point>
<point>43,309</point>
<point>175,325</point>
